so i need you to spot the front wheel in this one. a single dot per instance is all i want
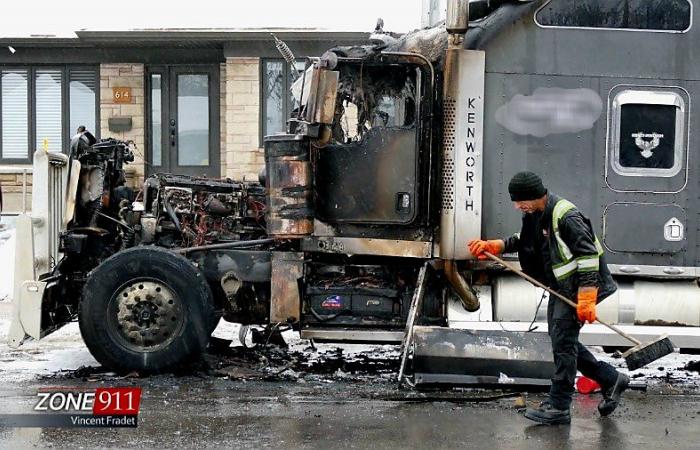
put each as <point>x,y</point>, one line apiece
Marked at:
<point>146,309</point>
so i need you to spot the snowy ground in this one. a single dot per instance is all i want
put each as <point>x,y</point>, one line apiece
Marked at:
<point>7,255</point>
<point>65,351</point>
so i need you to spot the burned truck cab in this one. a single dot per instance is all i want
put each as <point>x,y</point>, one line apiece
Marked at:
<point>352,184</point>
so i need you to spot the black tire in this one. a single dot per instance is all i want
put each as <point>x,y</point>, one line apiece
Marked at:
<point>146,309</point>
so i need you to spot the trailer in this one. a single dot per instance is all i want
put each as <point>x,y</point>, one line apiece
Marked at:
<point>400,153</point>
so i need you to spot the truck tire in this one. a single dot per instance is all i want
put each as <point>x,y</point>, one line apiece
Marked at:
<point>146,309</point>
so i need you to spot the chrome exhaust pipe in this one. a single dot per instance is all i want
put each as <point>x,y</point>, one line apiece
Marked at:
<point>469,299</point>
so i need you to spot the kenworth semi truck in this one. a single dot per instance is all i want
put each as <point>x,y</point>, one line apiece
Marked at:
<point>399,154</point>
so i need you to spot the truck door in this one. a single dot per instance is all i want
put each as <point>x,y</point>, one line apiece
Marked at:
<point>647,215</point>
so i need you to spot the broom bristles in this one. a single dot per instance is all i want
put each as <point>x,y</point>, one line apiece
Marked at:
<point>642,355</point>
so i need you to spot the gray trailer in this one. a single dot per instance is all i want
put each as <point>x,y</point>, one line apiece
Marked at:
<point>399,154</point>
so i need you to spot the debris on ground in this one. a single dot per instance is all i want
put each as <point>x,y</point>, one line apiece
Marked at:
<point>301,362</point>
<point>519,402</point>
<point>693,366</point>
<point>273,362</point>
<point>86,373</point>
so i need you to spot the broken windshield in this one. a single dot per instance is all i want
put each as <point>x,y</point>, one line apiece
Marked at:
<point>371,97</point>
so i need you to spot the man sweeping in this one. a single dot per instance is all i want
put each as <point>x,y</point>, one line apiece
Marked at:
<point>558,247</point>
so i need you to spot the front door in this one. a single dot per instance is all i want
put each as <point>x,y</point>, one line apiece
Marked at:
<point>183,120</point>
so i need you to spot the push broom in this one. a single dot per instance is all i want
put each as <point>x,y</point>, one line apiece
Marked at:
<point>638,356</point>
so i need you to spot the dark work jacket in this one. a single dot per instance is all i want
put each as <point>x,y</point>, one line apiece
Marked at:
<point>536,242</point>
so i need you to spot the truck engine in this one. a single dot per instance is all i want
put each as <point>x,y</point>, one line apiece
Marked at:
<point>185,211</point>
<point>172,211</point>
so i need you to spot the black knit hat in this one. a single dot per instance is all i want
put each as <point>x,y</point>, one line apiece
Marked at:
<point>526,186</point>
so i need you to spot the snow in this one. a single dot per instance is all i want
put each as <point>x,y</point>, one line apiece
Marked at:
<point>669,369</point>
<point>65,350</point>
<point>7,256</point>
<point>62,350</point>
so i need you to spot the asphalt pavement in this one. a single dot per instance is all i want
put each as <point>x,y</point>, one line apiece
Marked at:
<point>329,397</point>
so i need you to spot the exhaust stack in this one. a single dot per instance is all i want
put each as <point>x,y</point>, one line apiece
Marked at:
<point>457,18</point>
<point>463,130</point>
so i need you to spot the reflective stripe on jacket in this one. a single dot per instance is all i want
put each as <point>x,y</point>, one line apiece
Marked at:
<point>564,263</point>
<point>559,248</point>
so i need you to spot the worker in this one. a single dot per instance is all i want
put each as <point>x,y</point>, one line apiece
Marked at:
<point>558,247</point>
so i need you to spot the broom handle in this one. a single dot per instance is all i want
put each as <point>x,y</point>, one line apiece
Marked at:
<point>561,297</point>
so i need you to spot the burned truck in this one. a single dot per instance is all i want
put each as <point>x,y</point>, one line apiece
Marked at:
<point>399,154</point>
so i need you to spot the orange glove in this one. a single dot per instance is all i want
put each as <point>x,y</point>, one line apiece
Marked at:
<point>477,247</point>
<point>585,306</point>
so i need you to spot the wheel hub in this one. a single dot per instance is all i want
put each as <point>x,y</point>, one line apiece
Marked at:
<point>149,314</point>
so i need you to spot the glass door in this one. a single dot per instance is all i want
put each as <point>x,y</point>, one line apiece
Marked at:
<point>183,120</point>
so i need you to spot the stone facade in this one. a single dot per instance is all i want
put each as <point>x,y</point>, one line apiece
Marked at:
<point>12,182</point>
<point>132,76</point>
<point>243,153</point>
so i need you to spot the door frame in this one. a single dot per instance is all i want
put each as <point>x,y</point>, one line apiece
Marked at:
<point>169,74</point>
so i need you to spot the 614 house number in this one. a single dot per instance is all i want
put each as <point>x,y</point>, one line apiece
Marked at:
<point>121,94</point>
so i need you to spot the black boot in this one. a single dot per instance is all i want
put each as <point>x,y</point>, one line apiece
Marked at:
<point>611,396</point>
<point>548,414</point>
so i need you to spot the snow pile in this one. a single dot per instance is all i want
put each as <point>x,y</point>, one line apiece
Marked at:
<point>671,369</point>
<point>62,350</point>
<point>7,256</point>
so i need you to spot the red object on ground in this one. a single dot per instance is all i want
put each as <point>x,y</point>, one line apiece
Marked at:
<point>586,386</point>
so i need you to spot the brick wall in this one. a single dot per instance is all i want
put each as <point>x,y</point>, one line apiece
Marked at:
<point>125,75</point>
<point>11,182</point>
<point>243,155</point>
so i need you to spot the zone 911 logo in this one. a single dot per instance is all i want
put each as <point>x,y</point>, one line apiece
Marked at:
<point>101,401</point>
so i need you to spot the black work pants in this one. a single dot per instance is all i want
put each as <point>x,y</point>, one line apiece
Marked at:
<point>570,355</point>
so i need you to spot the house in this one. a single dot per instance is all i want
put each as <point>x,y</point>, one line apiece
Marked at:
<point>193,101</point>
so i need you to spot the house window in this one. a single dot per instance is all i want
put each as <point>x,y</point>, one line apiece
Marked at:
<point>41,108</point>
<point>277,101</point>
<point>83,100</point>
<point>14,85</point>
<point>48,115</point>
<point>648,132</point>
<point>649,15</point>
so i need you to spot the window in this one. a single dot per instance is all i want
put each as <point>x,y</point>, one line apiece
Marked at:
<point>156,120</point>
<point>15,114</point>
<point>193,119</point>
<point>41,108</point>
<point>48,110</point>
<point>651,15</point>
<point>277,100</point>
<point>391,104</point>
<point>648,129</point>
<point>83,100</point>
